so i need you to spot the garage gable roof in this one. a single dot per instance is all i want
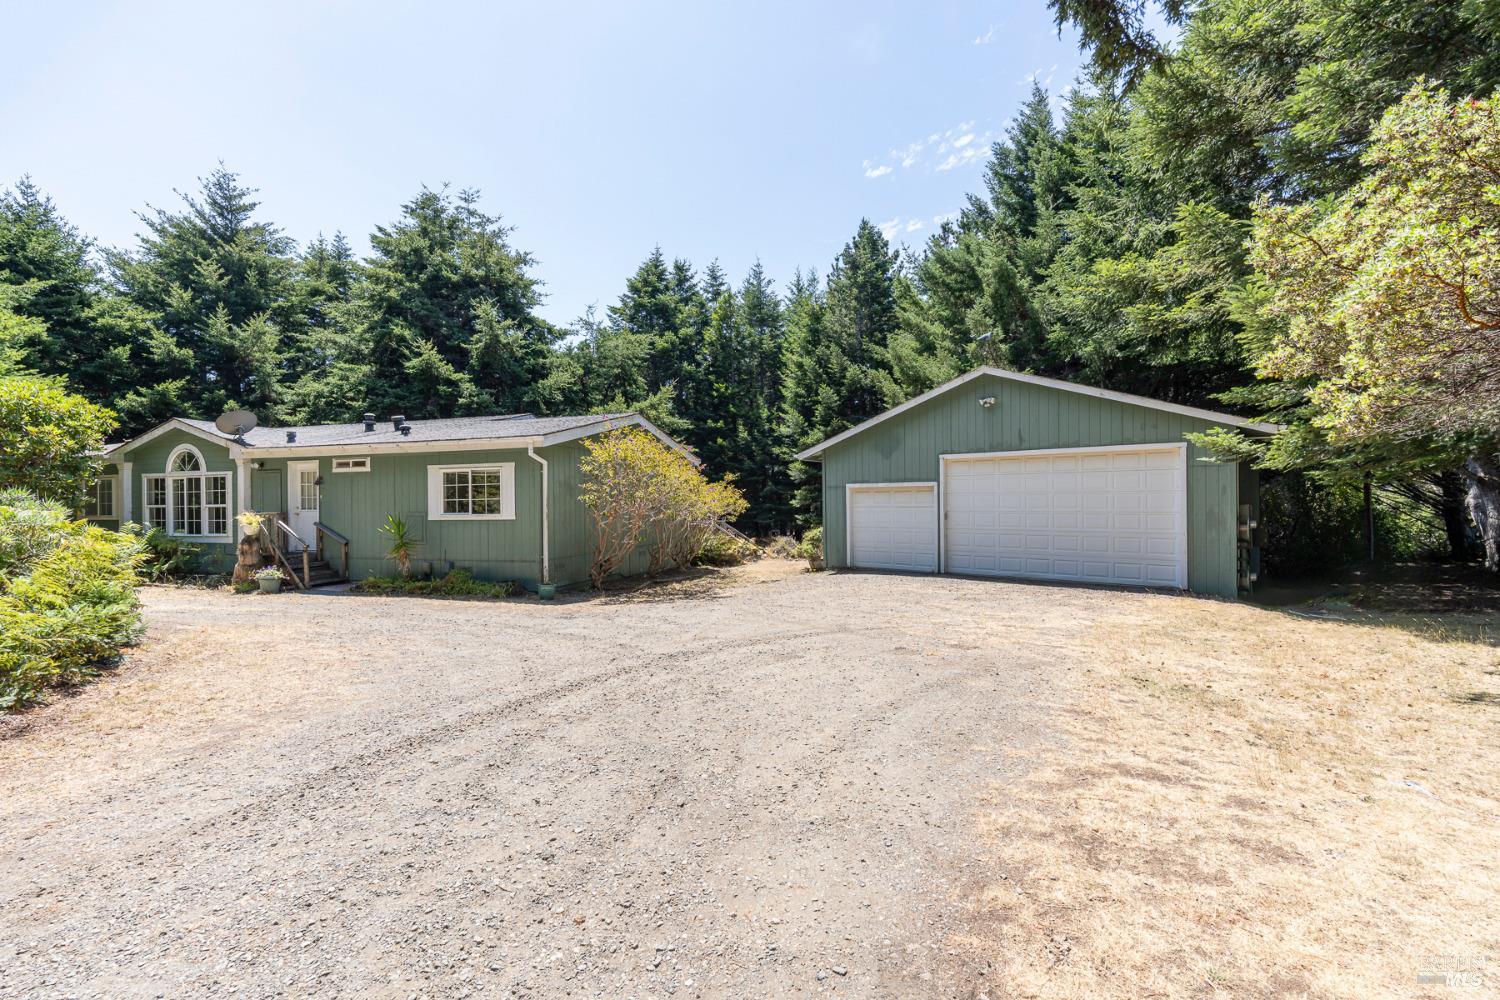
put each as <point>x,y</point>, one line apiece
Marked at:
<point>1052,383</point>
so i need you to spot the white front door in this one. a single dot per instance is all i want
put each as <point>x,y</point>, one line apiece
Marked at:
<point>893,526</point>
<point>302,501</point>
<point>1106,515</point>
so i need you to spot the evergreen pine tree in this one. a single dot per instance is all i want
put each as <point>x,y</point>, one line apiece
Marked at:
<point>861,317</point>
<point>803,392</point>
<point>49,266</point>
<point>441,276</point>
<point>328,373</point>
<point>216,285</point>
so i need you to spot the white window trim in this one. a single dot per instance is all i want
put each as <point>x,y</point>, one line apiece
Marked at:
<point>168,477</point>
<point>172,459</point>
<point>507,491</point>
<point>365,467</point>
<point>114,498</point>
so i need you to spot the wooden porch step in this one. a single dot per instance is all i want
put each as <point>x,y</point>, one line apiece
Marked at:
<point>320,573</point>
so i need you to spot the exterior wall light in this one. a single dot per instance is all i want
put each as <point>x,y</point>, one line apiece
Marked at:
<point>987,402</point>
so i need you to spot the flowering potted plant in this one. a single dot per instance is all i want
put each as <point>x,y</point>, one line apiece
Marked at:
<point>269,580</point>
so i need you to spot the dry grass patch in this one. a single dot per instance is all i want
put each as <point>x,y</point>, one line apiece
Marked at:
<point>1254,804</point>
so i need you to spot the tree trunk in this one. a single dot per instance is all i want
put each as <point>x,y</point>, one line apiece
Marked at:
<point>1453,509</point>
<point>1482,472</point>
<point>1369,519</point>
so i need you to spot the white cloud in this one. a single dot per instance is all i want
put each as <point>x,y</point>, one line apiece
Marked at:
<point>938,220</point>
<point>986,38</point>
<point>959,157</point>
<point>889,229</point>
<point>912,225</point>
<point>948,149</point>
<point>1039,75</point>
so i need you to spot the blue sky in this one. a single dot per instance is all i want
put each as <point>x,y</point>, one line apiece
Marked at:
<point>598,130</point>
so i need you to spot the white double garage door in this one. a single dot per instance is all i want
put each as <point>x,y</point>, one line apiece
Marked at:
<point>1116,515</point>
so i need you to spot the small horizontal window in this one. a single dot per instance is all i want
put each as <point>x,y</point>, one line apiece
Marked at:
<point>351,465</point>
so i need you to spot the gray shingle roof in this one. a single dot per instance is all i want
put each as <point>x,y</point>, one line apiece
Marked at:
<point>517,425</point>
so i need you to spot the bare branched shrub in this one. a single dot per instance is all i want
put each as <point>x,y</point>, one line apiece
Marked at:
<point>640,491</point>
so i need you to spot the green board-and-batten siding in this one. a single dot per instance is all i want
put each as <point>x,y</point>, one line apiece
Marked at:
<point>150,459</point>
<point>906,448</point>
<point>356,505</point>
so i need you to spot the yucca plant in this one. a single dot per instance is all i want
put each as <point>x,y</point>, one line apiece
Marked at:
<point>402,544</point>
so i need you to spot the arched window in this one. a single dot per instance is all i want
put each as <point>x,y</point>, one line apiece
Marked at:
<point>186,459</point>
<point>188,500</point>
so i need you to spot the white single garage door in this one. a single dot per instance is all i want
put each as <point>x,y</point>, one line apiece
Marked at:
<point>893,526</point>
<point>1103,516</point>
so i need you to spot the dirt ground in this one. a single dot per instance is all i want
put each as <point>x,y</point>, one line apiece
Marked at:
<point>725,787</point>
<point>758,783</point>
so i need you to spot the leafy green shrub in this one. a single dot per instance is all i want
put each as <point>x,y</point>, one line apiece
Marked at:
<point>48,437</point>
<point>29,529</point>
<point>811,546</point>
<point>167,558</point>
<point>1316,528</point>
<point>725,550</point>
<point>458,583</point>
<point>67,597</point>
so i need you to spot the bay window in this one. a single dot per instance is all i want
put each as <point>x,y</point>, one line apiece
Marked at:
<point>188,500</point>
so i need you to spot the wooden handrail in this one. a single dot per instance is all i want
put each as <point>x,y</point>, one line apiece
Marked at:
<point>322,529</point>
<point>280,556</point>
<point>274,532</point>
<point>287,529</point>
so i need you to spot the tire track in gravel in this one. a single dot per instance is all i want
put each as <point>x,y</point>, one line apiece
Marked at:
<point>762,787</point>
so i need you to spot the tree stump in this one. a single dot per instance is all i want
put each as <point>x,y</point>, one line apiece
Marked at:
<point>248,559</point>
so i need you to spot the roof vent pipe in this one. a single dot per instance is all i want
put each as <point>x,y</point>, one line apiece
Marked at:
<point>369,422</point>
<point>291,437</point>
<point>397,421</point>
<point>406,430</point>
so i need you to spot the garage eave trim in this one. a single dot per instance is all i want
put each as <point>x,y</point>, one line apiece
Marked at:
<point>815,452</point>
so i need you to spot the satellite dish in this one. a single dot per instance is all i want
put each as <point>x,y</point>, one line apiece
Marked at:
<point>236,423</point>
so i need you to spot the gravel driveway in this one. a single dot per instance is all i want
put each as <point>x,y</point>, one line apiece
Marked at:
<point>758,785</point>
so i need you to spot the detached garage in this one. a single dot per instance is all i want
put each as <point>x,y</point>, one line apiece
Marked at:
<point>998,473</point>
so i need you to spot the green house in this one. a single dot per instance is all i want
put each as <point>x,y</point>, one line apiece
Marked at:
<point>498,496</point>
<point>998,473</point>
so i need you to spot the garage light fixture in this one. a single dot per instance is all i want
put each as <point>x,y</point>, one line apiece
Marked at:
<point>987,402</point>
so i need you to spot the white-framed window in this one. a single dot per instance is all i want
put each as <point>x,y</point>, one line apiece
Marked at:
<point>307,488</point>
<point>156,501</point>
<point>480,492</point>
<point>100,501</point>
<point>188,500</point>
<point>351,465</point>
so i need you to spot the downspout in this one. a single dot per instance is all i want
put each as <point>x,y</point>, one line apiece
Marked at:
<point>546,512</point>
